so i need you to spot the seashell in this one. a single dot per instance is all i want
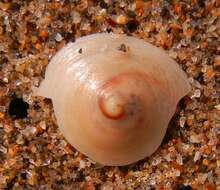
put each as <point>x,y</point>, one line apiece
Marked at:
<point>113,96</point>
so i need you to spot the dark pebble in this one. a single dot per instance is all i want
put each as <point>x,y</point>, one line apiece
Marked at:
<point>200,78</point>
<point>201,3</point>
<point>18,108</point>
<point>23,175</point>
<point>131,14</point>
<point>15,7</point>
<point>132,25</point>
<point>103,4</point>
<point>108,30</point>
<point>165,13</point>
<point>184,187</point>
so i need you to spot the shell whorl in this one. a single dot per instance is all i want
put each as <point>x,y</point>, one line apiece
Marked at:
<point>116,101</point>
<point>125,97</point>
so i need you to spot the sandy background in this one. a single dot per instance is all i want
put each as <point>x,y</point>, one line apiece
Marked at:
<point>33,153</point>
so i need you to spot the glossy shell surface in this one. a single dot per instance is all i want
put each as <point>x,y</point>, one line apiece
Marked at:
<point>113,96</point>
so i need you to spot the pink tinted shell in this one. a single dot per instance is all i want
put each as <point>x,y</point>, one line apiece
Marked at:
<point>113,96</point>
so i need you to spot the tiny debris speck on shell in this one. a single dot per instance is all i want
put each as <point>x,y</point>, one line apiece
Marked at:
<point>80,51</point>
<point>123,48</point>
